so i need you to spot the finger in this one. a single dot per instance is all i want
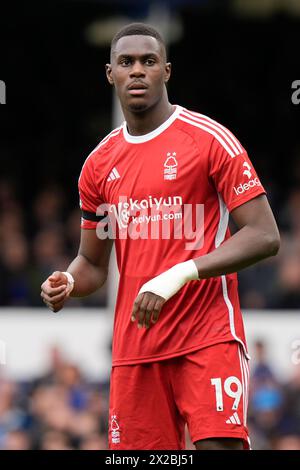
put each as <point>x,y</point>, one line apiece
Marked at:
<point>149,310</point>
<point>136,306</point>
<point>157,309</point>
<point>55,299</point>
<point>58,278</point>
<point>55,308</point>
<point>58,306</point>
<point>48,304</point>
<point>53,291</point>
<point>55,276</point>
<point>142,309</point>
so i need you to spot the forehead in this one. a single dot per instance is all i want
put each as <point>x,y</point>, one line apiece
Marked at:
<point>137,45</point>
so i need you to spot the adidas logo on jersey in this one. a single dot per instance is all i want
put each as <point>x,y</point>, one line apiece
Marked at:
<point>234,419</point>
<point>113,175</point>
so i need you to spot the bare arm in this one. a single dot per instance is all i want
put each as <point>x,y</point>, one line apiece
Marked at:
<point>256,239</point>
<point>89,270</point>
<point>90,267</point>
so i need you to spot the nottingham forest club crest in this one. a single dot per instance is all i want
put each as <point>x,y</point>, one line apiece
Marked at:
<point>170,166</point>
<point>115,430</point>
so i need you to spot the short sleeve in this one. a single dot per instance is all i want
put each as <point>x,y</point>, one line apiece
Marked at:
<point>234,177</point>
<point>90,199</point>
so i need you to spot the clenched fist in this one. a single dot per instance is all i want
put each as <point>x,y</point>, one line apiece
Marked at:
<point>55,291</point>
<point>146,309</point>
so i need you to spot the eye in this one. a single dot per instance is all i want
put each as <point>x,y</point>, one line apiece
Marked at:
<point>125,61</point>
<point>150,62</point>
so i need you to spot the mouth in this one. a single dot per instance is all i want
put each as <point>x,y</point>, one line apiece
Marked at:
<point>137,89</point>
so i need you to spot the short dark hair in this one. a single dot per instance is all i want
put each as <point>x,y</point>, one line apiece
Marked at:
<point>139,29</point>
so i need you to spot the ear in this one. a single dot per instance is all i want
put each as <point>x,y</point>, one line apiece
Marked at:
<point>168,68</point>
<point>109,74</point>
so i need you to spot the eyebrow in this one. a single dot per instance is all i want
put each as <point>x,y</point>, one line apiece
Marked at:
<point>143,56</point>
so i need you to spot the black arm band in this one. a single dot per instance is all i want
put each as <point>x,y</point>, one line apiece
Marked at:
<point>86,215</point>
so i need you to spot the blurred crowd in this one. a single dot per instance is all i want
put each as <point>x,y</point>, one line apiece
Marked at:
<point>275,283</point>
<point>38,239</point>
<point>61,410</point>
<point>34,242</point>
<point>274,405</point>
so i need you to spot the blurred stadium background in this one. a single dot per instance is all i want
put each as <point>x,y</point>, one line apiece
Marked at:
<point>232,60</point>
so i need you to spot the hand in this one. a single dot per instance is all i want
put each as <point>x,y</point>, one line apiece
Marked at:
<point>55,291</point>
<point>146,308</point>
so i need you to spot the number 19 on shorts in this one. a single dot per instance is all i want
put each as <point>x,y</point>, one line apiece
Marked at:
<point>232,388</point>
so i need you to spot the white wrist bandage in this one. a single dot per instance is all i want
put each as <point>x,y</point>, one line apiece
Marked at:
<point>71,281</point>
<point>169,282</point>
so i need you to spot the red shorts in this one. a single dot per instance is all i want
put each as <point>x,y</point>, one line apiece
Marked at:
<point>151,403</point>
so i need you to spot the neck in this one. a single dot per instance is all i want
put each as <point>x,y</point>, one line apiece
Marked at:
<point>143,122</point>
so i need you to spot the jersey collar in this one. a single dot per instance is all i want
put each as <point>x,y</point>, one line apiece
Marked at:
<point>139,139</point>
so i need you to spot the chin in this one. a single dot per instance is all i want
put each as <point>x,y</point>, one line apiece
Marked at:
<point>138,106</point>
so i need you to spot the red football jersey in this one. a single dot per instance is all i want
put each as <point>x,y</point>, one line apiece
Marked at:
<point>167,196</point>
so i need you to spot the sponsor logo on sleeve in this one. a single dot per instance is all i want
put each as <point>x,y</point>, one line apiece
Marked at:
<point>245,186</point>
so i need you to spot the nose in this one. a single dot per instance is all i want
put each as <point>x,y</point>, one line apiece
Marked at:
<point>137,69</point>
